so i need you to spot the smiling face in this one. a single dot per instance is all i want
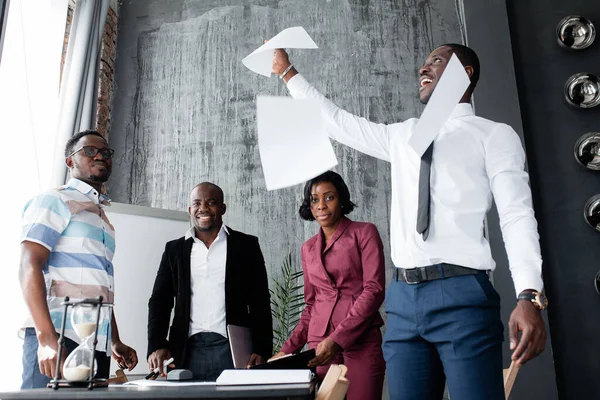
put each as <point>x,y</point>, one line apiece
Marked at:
<point>325,204</point>
<point>207,208</point>
<point>92,170</point>
<point>431,72</point>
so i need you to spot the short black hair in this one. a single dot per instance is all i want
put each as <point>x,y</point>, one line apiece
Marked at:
<point>467,56</point>
<point>72,142</point>
<point>340,186</point>
<point>212,185</point>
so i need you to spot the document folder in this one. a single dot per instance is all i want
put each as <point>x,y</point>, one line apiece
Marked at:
<point>291,361</point>
<point>264,377</point>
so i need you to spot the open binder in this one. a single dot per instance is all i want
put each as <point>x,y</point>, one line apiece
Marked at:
<point>290,361</point>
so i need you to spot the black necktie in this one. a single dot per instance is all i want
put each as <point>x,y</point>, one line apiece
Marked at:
<point>424,196</point>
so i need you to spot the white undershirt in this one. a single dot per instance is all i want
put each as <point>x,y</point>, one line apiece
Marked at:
<point>207,313</point>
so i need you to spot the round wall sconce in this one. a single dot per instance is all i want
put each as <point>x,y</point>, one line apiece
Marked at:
<point>587,150</point>
<point>597,282</point>
<point>583,90</point>
<point>591,212</point>
<point>575,32</point>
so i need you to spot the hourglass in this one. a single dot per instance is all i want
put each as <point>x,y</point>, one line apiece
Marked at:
<point>80,366</point>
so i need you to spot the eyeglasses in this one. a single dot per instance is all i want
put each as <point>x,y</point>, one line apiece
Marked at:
<point>91,151</point>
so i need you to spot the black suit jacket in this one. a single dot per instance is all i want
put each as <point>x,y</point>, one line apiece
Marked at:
<point>247,299</point>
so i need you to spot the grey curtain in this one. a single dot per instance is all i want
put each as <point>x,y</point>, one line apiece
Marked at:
<point>3,18</point>
<point>79,85</point>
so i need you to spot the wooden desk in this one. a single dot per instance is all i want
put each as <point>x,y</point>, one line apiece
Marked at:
<point>303,391</point>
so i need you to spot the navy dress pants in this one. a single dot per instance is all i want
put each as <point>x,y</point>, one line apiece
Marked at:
<point>444,330</point>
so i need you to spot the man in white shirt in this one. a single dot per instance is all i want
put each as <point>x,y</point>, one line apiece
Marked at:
<point>443,313</point>
<point>216,276</point>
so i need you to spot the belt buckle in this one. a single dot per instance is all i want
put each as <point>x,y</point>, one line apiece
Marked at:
<point>407,280</point>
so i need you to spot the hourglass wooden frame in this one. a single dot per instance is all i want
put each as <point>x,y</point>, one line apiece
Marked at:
<point>91,382</point>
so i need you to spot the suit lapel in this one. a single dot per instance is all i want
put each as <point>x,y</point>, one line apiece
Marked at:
<point>321,249</point>
<point>186,272</point>
<point>318,251</point>
<point>230,263</point>
<point>342,226</point>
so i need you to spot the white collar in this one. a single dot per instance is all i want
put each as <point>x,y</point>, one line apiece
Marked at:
<point>191,233</point>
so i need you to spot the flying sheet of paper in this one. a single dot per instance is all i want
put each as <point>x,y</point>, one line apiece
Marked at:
<point>292,143</point>
<point>261,59</point>
<point>446,95</point>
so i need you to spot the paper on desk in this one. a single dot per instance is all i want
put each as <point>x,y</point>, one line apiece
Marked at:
<point>292,143</point>
<point>264,376</point>
<point>261,59</point>
<point>165,383</point>
<point>446,95</point>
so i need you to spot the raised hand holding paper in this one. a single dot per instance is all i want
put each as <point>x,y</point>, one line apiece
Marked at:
<point>261,59</point>
<point>448,92</point>
<point>292,143</point>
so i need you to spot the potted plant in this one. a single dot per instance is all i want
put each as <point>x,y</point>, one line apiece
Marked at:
<point>287,301</point>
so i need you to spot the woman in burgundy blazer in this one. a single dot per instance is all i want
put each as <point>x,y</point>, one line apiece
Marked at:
<point>344,280</point>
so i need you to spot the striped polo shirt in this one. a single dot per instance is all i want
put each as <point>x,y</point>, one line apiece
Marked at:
<point>71,223</point>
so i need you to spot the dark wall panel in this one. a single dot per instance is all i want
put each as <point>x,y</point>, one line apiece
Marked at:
<point>571,249</point>
<point>496,98</point>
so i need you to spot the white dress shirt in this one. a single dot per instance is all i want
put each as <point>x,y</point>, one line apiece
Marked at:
<point>473,159</point>
<point>207,313</point>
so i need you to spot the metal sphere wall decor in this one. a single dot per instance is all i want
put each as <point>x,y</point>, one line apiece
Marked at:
<point>587,150</point>
<point>575,32</point>
<point>583,90</point>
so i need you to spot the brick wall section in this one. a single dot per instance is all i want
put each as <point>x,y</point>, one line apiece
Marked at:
<point>107,73</point>
<point>107,63</point>
<point>66,41</point>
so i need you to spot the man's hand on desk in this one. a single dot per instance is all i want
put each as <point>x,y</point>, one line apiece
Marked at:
<point>47,353</point>
<point>255,359</point>
<point>157,359</point>
<point>124,355</point>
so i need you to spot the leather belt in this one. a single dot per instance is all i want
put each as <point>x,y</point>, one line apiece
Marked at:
<point>413,276</point>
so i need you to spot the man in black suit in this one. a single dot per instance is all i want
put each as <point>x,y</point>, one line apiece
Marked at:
<point>216,276</point>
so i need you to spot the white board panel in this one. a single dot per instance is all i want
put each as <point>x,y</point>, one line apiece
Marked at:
<point>141,235</point>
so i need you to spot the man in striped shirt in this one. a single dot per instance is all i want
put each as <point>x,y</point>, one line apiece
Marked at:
<point>67,246</point>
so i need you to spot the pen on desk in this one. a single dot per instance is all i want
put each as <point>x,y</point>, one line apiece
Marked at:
<point>153,374</point>
<point>168,362</point>
<point>156,370</point>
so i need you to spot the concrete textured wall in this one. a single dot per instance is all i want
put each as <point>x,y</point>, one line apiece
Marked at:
<point>184,105</point>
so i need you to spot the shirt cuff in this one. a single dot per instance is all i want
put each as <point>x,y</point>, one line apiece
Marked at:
<point>528,280</point>
<point>296,85</point>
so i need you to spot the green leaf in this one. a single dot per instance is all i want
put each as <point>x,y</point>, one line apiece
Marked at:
<point>287,301</point>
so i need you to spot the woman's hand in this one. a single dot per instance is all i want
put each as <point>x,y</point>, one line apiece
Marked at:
<point>326,351</point>
<point>278,355</point>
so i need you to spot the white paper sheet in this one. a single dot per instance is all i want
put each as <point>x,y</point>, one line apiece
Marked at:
<point>165,383</point>
<point>446,95</point>
<point>264,376</point>
<point>292,143</point>
<point>261,59</point>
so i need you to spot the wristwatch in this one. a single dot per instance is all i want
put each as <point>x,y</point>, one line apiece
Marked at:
<point>538,299</point>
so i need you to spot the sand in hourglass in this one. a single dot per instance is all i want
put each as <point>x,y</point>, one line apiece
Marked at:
<point>84,330</point>
<point>79,373</point>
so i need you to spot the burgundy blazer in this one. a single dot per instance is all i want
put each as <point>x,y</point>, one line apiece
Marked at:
<point>344,286</point>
